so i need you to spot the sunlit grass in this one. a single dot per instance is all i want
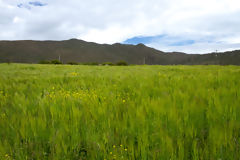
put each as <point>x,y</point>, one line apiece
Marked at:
<point>105,112</point>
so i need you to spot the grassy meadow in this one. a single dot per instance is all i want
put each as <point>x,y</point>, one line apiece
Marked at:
<point>64,112</point>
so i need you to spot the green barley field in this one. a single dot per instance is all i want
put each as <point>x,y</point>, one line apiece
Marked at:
<point>63,112</point>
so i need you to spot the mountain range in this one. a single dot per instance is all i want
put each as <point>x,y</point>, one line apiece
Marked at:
<point>74,50</point>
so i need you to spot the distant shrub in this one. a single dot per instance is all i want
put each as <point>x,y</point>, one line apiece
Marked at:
<point>121,63</point>
<point>94,63</point>
<point>91,63</point>
<point>72,63</point>
<point>56,62</point>
<point>8,62</point>
<point>44,62</point>
<point>108,64</point>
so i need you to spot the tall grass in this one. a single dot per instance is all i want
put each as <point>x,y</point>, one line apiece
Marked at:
<point>105,112</point>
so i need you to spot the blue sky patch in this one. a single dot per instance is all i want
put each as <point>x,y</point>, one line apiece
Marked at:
<point>143,39</point>
<point>182,43</point>
<point>29,5</point>
<point>37,3</point>
<point>21,5</point>
<point>160,39</point>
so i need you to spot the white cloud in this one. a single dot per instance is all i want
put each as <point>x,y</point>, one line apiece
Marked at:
<point>17,20</point>
<point>200,47</point>
<point>111,21</point>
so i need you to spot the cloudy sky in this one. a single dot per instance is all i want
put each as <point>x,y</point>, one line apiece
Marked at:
<point>192,26</point>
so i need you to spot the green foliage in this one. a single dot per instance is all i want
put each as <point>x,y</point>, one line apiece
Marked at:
<point>121,63</point>
<point>50,62</point>
<point>72,63</point>
<point>134,112</point>
<point>8,61</point>
<point>44,62</point>
<point>56,62</point>
<point>91,63</point>
<point>107,64</point>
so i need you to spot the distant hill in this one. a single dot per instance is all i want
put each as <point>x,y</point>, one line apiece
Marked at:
<point>74,50</point>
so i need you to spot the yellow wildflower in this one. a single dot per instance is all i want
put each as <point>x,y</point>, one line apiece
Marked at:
<point>74,74</point>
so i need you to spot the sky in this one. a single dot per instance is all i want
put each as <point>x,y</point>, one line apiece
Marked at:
<point>191,26</point>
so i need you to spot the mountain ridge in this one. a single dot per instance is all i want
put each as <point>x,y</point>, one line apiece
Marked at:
<point>75,50</point>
